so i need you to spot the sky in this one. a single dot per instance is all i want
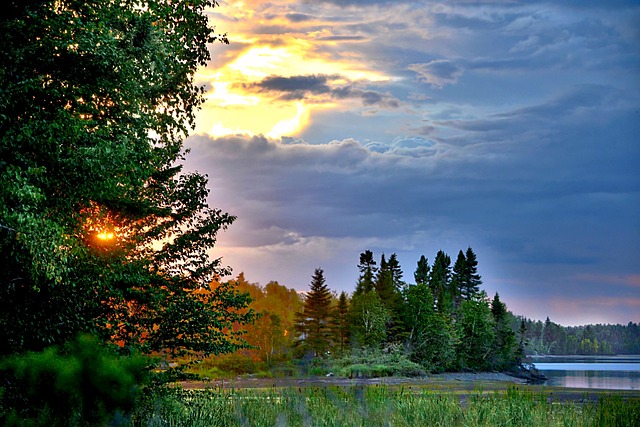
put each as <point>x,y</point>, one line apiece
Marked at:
<point>511,127</point>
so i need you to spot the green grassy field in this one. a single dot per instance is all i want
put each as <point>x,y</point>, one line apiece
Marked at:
<point>382,405</point>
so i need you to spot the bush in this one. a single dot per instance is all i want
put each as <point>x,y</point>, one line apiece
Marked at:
<point>82,384</point>
<point>374,364</point>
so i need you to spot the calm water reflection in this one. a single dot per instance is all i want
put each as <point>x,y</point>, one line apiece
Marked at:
<point>613,373</point>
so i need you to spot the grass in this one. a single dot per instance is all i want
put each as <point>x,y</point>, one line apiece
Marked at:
<point>373,406</point>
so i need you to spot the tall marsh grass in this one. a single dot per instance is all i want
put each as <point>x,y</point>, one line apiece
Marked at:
<point>373,406</point>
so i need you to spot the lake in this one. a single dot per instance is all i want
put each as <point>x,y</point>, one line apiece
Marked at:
<point>598,372</point>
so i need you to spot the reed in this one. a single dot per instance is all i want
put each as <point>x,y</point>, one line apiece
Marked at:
<point>379,406</point>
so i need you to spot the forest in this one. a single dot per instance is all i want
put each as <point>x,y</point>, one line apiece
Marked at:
<point>442,321</point>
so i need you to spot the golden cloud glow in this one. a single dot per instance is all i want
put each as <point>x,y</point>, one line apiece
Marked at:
<point>232,103</point>
<point>291,126</point>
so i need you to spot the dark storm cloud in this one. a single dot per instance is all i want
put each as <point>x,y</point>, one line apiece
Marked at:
<point>301,84</point>
<point>298,17</point>
<point>301,87</point>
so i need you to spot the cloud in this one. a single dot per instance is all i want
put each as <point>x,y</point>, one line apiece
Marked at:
<point>510,127</point>
<point>438,72</point>
<point>309,87</point>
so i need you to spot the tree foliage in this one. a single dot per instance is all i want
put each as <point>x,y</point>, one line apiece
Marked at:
<point>99,230</point>
<point>476,333</point>
<point>368,319</point>
<point>430,335</point>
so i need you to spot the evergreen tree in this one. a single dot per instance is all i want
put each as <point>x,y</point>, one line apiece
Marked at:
<point>367,268</point>
<point>504,346</point>
<point>388,286</point>
<point>421,274</point>
<point>313,324</point>
<point>522,342</point>
<point>384,282</point>
<point>458,278</point>
<point>393,265</point>
<point>473,279</point>
<point>440,282</point>
<point>466,279</point>
<point>341,323</point>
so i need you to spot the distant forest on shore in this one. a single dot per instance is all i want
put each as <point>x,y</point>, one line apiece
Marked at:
<point>443,321</point>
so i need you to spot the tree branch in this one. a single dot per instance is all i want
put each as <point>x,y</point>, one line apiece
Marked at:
<point>8,228</point>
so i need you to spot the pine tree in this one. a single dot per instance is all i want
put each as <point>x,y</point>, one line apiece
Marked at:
<point>421,274</point>
<point>466,279</point>
<point>472,278</point>
<point>388,286</point>
<point>504,346</point>
<point>313,324</point>
<point>393,266</point>
<point>384,283</point>
<point>367,268</point>
<point>440,282</point>
<point>459,278</point>
<point>341,323</point>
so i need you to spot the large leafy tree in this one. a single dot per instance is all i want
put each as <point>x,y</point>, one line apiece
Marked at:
<point>430,336</point>
<point>476,330</point>
<point>368,319</point>
<point>99,230</point>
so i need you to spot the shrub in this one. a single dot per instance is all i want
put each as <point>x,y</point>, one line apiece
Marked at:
<point>82,384</point>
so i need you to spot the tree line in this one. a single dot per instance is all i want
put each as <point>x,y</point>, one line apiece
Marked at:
<point>551,338</point>
<point>443,321</point>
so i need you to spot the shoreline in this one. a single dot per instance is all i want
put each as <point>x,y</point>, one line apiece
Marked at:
<point>449,378</point>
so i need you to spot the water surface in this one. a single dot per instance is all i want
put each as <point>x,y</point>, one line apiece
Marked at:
<point>597,372</point>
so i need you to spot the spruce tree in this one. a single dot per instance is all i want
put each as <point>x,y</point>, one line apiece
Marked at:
<point>421,274</point>
<point>388,286</point>
<point>504,346</point>
<point>367,268</point>
<point>384,283</point>
<point>459,278</point>
<point>440,282</point>
<point>472,278</point>
<point>314,323</point>
<point>341,323</point>
<point>466,279</point>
